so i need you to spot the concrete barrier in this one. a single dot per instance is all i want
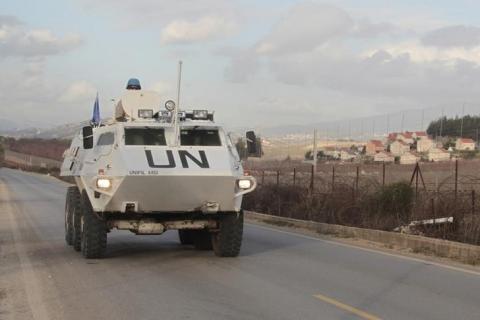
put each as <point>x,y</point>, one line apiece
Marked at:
<point>465,253</point>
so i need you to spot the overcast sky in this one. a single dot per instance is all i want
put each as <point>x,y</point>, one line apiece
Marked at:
<point>257,63</point>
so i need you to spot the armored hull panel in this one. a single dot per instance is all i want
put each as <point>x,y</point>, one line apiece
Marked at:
<point>173,193</point>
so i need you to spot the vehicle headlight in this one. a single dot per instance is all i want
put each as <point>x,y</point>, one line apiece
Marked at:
<point>104,183</point>
<point>244,184</point>
<point>170,105</point>
<point>145,113</point>
<point>200,114</point>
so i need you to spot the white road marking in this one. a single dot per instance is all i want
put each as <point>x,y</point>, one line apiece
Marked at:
<point>31,283</point>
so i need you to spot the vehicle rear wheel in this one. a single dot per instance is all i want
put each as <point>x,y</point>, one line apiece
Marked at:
<point>202,240</point>
<point>228,240</point>
<point>94,232</point>
<point>186,236</point>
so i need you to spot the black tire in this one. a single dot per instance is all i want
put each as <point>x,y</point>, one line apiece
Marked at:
<point>68,217</point>
<point>186,236</point>
<point>76,215</point>
<point>202,240</point>
<point>94,232</point>
<point>228,240</point>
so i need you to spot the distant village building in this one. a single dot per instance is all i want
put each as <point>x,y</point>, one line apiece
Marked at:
<point>464,144</point>
<point>398,148</point>
<point>419,135</point>
<point>424,144</point>
<point>384,156</point>
<point>409,158</point>
<point>392,136</point>
<point>437,154</point>
<point>373,147</point>
<point>406,137</point>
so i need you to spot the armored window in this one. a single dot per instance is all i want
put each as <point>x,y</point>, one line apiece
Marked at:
<point>106,139</point>
<point>145,137</point>
<point>199,137</point>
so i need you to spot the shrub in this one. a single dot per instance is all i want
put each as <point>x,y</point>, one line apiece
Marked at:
<point>389,207</point>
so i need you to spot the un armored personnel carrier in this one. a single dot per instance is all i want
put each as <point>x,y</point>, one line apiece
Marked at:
<point>151,169</point>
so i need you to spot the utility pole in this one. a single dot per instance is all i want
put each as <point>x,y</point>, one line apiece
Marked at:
<point>315,150</point>
<point>423,118</point>
<point>461,123</point>
<point>441,124</point>
<point>338,132</point>
<point>361,129</point>
<point>349,130</point>
<point>388,124</point>
<point>373,129</point>
<point>403,119</point>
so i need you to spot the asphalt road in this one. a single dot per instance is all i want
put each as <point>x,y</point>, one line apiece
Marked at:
<point>278,275</point>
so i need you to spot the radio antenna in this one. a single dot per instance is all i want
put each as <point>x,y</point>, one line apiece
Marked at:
<point>177,105</point>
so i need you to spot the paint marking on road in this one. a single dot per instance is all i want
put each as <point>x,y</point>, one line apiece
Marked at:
<point>436,264</point>
<point>345,307</point>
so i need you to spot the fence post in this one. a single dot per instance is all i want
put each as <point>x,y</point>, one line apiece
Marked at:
<point>312,178</point>
<point>333,178</point>
<point>357,179</point>
<point>433,212</point>
<point>263,177</point>
<point>473,202</point>
<point>278,178</point>
<point>294,176</point>
<point>416,182</point>
<point>456,179</point>
<point>383,175</point>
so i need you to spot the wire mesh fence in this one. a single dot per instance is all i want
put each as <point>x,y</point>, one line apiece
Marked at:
<point>432,199</point>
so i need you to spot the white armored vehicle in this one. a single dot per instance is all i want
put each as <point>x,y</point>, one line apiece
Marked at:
<point>149,170</point>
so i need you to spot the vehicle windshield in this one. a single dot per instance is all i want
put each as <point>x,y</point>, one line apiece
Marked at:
<point>145,137</point>
<point>199,137</point>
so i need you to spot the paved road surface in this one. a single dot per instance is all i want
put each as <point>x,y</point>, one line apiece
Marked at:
<point>277,276</point>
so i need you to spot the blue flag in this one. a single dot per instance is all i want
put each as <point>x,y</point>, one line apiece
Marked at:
<point>96,112</point>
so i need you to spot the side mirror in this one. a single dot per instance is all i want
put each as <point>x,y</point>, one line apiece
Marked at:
<point>87,133</point>
<point>253,145</point>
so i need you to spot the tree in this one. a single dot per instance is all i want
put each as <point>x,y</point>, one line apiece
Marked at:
<point>308,155</point>
<point>452,127</point>
<point>1,150</point>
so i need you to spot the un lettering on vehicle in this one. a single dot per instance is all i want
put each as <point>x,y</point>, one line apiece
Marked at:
<point>186,159</point>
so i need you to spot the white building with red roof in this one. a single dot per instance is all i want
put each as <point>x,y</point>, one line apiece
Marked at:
<point>419,135</point>
<point>399,147</point>
<point>425,144</point>
<point>373,147</point>
<point>406,137</point>
<point>465,144</point>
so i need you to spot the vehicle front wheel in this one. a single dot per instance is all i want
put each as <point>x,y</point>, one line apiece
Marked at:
<point>68,217</point>
<point>75,211</point>
<point>94,232</point>
<point>228,240</point>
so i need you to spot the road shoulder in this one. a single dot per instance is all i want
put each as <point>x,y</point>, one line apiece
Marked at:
<point>371,246</point>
